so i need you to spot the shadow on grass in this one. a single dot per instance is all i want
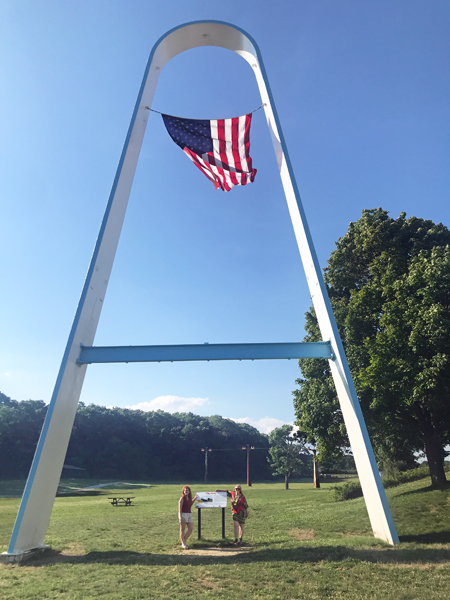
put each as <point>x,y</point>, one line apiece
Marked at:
<point>337,479</point>
<point>429,488</point>
<point>435,537</point>
<point>384,556</point>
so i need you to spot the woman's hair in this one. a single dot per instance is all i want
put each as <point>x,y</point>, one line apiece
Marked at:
<point>186,487</point>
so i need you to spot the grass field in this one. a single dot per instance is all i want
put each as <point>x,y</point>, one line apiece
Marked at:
<point>299,544</point>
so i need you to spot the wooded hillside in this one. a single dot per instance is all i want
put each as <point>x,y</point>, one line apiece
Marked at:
<point>123,443</point>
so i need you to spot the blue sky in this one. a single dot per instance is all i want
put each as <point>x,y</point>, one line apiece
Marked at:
<point>362,92</point>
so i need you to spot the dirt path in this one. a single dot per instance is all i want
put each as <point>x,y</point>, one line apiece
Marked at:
<point>76,551</point>
<point>217,551</point>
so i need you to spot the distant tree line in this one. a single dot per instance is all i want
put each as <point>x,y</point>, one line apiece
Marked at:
<point>120,443</point>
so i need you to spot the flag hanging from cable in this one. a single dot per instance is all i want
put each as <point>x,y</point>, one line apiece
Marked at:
<point>220,148</point>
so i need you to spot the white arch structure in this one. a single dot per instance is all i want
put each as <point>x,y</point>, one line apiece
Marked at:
<point>40,490</point>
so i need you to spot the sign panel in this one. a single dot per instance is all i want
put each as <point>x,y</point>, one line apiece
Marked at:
<point>211,500</point>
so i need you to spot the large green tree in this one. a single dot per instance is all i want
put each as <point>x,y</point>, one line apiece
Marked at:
<point>389,285</point>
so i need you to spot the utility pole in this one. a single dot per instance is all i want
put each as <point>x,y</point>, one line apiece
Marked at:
<point>206,450</point>
<point>248,448</point>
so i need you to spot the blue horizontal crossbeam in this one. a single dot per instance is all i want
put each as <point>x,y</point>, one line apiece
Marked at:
<point>114,354</point>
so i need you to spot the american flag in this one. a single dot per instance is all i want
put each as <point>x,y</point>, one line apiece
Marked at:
<point>219,148</point>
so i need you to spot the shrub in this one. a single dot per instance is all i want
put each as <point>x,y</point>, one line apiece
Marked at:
<point>348,491</point>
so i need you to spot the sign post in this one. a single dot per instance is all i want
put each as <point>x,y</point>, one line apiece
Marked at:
<point>211,500</point>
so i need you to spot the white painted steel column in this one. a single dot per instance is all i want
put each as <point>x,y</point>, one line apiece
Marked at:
<point>37,502</point>
<point>375,497</point>
<point>41,487</point>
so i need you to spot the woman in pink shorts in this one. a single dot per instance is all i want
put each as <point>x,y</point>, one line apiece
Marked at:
<point>185,515</point>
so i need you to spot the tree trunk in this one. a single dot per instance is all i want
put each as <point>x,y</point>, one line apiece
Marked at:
<point>286,481</point>
<point>433,447</point>
<point>316,473</point>
<point>435,459</point>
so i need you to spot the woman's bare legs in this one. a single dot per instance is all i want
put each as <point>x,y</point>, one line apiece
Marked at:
<point>236,530</point>
<point>182,538</point>
<point>184,535</point>
<point>190,528</point>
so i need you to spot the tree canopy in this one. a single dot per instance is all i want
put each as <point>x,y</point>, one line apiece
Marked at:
<point>20,426</point>
<point>122,443</point>
<point>389,286</point>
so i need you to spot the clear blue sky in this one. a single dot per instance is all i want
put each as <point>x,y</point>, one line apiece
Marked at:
<point>362,91</point>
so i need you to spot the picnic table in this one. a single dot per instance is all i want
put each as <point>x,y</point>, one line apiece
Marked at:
<point>122,501</point>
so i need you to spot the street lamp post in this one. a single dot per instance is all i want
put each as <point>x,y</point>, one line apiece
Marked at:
<point>206,450</point>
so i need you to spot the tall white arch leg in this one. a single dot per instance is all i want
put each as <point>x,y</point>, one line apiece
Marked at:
<point>40,491</point>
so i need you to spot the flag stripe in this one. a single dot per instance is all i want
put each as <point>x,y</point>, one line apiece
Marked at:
<point>236,152</point>
<point>204,167</point>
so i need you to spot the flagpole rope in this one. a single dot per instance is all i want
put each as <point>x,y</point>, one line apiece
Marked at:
<point>256,109</point>
<point>160,113</point>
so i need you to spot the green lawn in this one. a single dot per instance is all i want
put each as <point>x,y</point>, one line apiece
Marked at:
<point>299,544</point>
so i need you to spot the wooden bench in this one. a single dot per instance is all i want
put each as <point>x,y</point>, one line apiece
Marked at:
<point>122,501</point>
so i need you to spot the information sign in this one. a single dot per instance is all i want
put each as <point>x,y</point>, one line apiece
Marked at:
<point>211,500</point>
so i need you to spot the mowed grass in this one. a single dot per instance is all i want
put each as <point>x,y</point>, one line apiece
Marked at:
<point>299,544</point>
